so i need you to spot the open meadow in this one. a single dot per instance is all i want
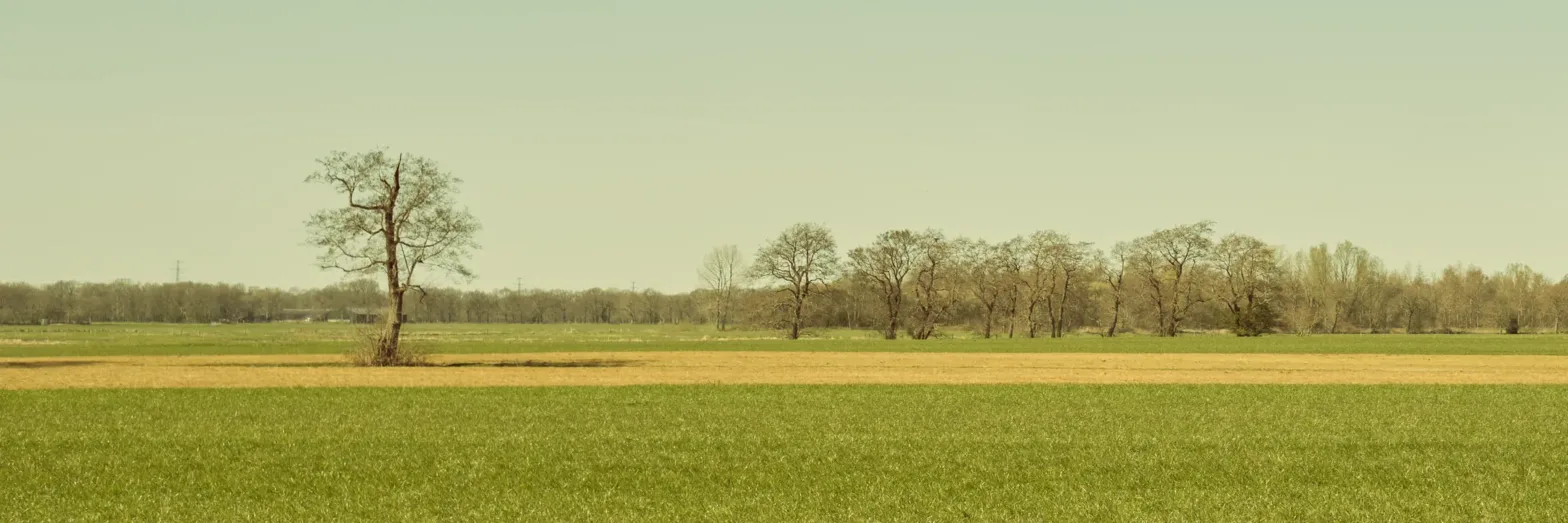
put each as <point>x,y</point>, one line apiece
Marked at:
<point>140,422</point>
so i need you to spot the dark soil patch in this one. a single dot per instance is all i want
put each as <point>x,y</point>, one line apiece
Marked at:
<point>542,363</point>
<point>44,364</point>
<point>595,363</point>
<point>276,365</point>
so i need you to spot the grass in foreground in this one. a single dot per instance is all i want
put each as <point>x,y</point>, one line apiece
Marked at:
<point>790,453</point>
<point>166,339</point>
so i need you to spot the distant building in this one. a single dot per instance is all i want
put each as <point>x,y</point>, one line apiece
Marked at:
<point>304,315</point>
<point>366,315</point>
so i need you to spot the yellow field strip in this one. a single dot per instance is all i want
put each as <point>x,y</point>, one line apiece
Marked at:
<point>642,368</point>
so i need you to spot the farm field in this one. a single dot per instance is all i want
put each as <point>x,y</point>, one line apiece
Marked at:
<point>678,423</point>
<point>788,453</point>
<point>733,368</point>
<point>169,339</point>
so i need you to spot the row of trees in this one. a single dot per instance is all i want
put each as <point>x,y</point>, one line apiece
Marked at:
<point>1175,279</point>
<point>925,284</point>
<point>125,301</point>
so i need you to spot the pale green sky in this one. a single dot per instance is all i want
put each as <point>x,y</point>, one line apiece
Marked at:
<point>610,142</point>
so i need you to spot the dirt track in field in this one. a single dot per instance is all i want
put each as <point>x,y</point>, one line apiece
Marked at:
<point>643,368</point>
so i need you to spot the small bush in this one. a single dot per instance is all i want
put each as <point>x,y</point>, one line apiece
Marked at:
<point>368,343</point>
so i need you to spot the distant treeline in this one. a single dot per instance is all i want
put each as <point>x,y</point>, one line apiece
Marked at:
<point>924,285</point>
<point>190,302</point>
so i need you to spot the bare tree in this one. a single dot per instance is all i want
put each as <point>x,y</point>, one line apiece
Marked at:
<point>935,275</point>
<point>1114,269</point>
<point>1248,276</point>
<point>1318,301</point>
<point>1053,264</point>
<point>1557,302</point>
<point>1038,278</point>
<point>986,276</point>
<point>1352,271</point>
<point>722,271</point>
<point>1011,262</point>
<point>1069,264</point>
<point>1416,304</point>
<point>1521,297</point>
<point>400,216</point>
<point>803,257</point>
<point>886,264</point>
<point>1167,262</point>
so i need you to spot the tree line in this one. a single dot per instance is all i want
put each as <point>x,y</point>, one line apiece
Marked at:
<point>1184,278</point>
<point>189,302</point>
<point>925,284</point>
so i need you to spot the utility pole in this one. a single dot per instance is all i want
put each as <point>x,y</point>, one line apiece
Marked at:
<point>518,297</point>
<point>184,313</point>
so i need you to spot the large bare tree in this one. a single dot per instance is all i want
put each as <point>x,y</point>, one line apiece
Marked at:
<point>1168,264</point>
<point>886,264</point>
<point>1070,263</point>
<point>722,272</point>
<point>1248,276</point>
<point>935,284</point>
<point>1054,264</point>
<point>1352,269</point>
<point>802,259</point>
<point>1037,278</point>
<point>1011,262</point>
<point>986,276</point>
<point>400,216</point>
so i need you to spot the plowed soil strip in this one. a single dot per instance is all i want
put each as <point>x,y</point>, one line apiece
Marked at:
<point>644,368</point>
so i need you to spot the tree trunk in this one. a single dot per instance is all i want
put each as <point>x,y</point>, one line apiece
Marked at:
<point>1012,320</point>
<point>1334,325</point>
<point>1235,320</point>
<point>1161,318</point>
<point>990,319</point>
<point>387,346</point>
<point>1059,311</point>
<point>794,326</point>
<point>1058,329</point>
<point>894,305</point>
<point>1116,318</point>
<point>387,352</point>
<point>1034,325</point>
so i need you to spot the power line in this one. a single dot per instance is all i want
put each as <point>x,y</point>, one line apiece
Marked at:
<point>176,271</point>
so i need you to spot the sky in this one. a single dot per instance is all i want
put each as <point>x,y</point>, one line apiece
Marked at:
<point>607,143</point>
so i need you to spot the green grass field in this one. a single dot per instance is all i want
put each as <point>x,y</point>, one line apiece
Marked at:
<point>159,339</point>
<point>788,453</point>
